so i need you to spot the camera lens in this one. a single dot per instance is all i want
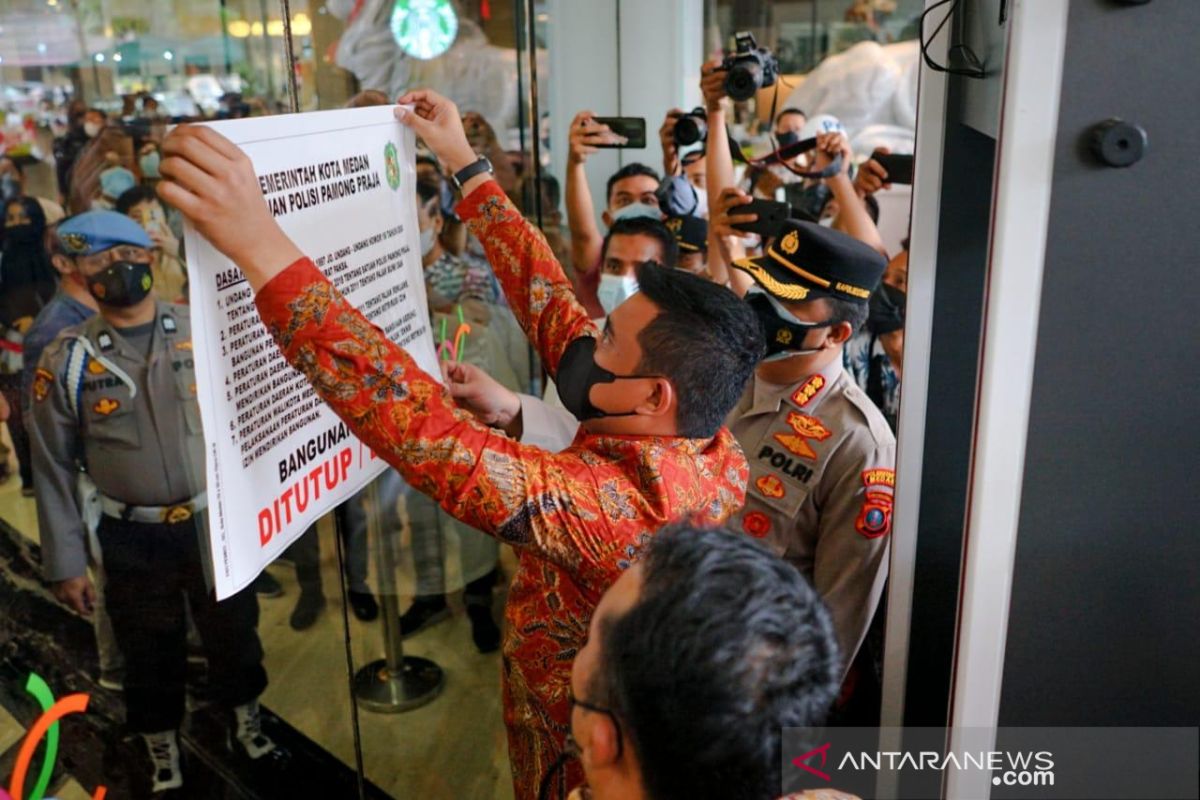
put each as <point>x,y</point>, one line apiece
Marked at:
<point>743,80</point>
<point>690,129</point>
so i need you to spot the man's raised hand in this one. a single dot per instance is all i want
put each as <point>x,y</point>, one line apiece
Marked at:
<point>212,182</point>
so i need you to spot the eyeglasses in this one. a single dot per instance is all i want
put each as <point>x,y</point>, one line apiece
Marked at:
<point>575,701</point>
<point>123,252</point>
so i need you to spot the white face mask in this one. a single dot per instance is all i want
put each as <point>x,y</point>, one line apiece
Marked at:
<point>826,222</point>
<point>428,238</point>
<point>701,203</point>
<point>637,210</point>
<point>614,290</point>
<point>91,129</point>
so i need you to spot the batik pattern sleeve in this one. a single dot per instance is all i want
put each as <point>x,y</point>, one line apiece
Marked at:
<point>520,494</point>
<point>537,289</point>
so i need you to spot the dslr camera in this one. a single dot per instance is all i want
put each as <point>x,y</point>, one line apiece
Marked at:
<point>749,68</point>
<point>692,127</point>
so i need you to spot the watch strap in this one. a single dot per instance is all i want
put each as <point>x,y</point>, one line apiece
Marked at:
<point>471,170</point>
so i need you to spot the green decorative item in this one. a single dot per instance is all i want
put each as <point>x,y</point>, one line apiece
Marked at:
<point>391,165</point>
<point>424,28</point>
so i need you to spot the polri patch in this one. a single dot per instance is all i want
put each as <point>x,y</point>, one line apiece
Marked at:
<point>875,519</point>
<point>879,477</point>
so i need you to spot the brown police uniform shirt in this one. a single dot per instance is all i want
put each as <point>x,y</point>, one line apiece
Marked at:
<point>822,478</point>
<point>142,447</point>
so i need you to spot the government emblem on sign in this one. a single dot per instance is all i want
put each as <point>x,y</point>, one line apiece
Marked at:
<point>391,165</point>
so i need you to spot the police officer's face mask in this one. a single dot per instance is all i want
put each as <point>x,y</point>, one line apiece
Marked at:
<point>578,372</point>
<point>121,284</point>
<point>784,333</point>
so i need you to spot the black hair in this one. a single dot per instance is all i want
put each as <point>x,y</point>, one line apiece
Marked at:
<point>430,194</point>
<point>628,171</point>
<point>726,646</point>
<point>16,164</point>
<point>854,313</point>
<point>644,226</point>
<point>134,195</point>
<point>790,110</point>
<point>872,208</point>
<point>904,242</point>
<point>705,340</point>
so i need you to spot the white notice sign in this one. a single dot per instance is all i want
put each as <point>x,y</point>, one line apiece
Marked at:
<point>342,186</point>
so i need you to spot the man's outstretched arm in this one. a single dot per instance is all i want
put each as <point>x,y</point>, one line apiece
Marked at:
<point>515,492</point>
<point>538,291</point>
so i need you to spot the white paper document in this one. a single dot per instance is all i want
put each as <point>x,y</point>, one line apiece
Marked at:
<point>342,186</point>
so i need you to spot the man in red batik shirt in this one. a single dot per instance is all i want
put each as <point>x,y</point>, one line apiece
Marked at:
<point>651,390</point>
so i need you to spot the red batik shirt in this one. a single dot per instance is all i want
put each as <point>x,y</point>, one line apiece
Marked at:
<point>577,519</point>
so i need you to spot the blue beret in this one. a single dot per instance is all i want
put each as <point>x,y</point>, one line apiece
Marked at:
<point>95,231</point>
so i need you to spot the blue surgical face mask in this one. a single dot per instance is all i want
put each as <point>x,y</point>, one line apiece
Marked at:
<point>428,237</point>
<point>637,210</point>
<point>149,165</point>
<point>116,181</point>
<point>614,290</point>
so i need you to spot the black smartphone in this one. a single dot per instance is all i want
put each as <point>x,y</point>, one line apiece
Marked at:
<point>771,215</point>
<point>632,128</point>
<point>899,168</point>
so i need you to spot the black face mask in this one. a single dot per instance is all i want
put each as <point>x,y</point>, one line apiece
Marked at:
<point>25,234</point>
<point>122,284</point>
<point>787,137</point>
<point>578,372</point>
<point>782,336</point>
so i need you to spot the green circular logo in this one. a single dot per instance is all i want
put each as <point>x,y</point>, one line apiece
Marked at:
<point>424,28</point>
<point>391,165</point>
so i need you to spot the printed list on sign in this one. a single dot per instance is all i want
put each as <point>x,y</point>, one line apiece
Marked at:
<point>342,186</point>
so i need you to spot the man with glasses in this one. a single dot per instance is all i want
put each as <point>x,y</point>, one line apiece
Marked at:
<point>115,397</point>
<point>696,660</point>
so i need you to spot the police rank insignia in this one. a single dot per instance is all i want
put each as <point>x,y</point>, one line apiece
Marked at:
<point>42,380</point>
<point>168,325</point>
<point>105,406</point>
<point>105,341</point>
<point>810,389</point>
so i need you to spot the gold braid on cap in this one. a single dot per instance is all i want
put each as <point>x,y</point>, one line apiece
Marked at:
<point>784,291</point>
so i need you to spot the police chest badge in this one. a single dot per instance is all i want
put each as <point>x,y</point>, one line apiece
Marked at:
<point>168,324</point>
<point>42,380</point>
<point>105,406</point>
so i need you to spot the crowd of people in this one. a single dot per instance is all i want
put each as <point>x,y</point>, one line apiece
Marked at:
<point>700,499</point>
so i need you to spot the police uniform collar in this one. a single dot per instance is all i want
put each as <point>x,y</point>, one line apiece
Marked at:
<point>806,394</point>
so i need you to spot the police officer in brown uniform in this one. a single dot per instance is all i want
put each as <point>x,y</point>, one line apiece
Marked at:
<point>821,454</point>
<point>115,396</point>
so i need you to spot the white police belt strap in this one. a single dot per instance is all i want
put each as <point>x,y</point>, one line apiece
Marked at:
<point>81,350</point>
<point>154,515</point>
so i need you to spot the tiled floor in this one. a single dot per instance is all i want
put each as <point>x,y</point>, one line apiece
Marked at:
<point>452,748</point>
